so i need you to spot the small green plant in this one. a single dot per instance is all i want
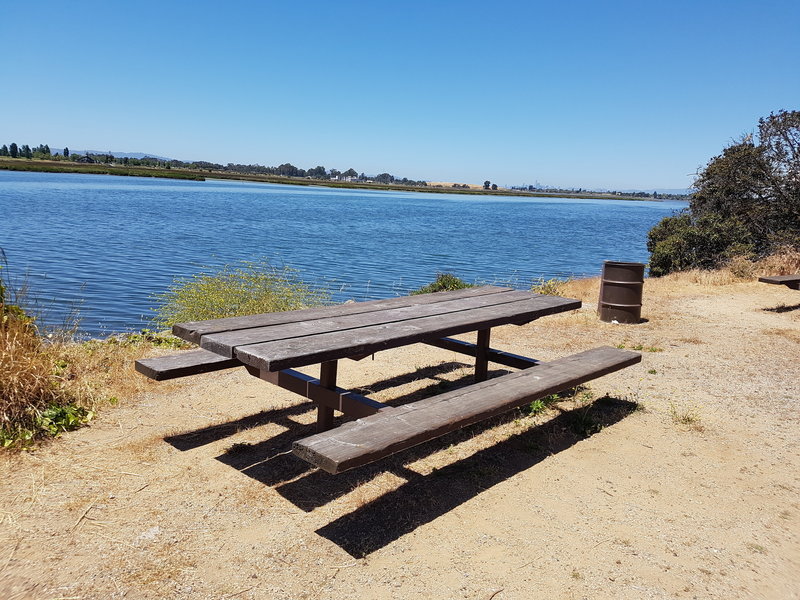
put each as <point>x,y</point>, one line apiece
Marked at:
<point>57,419</point>
<point>637,347</point>
<point>549,287</point>
<point>536,407</point>
<point>651,371</point>
<point>444,282</point>
<point>655,349</point>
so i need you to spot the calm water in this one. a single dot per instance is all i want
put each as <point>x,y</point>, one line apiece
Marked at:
<point>105,244</point>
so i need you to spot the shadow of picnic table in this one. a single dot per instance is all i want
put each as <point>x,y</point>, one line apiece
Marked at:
<point>422,497</point>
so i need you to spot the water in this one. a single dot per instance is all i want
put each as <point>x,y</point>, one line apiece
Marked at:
<point>105,244</point>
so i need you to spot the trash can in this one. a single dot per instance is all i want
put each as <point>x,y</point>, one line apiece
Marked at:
<point>621,292</point>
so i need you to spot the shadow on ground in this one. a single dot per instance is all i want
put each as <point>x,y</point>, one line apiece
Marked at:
<point>422,498</point>
<point>782,308</point>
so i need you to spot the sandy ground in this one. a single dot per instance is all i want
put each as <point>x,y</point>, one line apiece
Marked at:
<point>683,483</point>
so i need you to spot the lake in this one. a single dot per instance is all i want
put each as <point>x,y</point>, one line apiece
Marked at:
<point>105,244</point>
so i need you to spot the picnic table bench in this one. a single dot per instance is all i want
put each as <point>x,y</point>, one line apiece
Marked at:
<point>790,281</point>
<point>271,346</point>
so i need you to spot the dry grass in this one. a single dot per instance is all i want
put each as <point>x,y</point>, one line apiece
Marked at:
<point>784,262</point>
<point>28,382</point>
<point>38,375</point>
<point>739,270</point>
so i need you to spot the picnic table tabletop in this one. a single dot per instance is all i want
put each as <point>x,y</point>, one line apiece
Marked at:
<point>277,341</point>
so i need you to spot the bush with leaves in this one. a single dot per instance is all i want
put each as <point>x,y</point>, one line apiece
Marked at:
<point>230,291</point>
<point>444,282</point>
<point>746,203</point>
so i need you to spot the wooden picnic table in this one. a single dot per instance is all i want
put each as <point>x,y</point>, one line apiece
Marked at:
<point>272,345</point>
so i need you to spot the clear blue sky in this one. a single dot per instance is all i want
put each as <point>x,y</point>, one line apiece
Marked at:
<point>587,94</point>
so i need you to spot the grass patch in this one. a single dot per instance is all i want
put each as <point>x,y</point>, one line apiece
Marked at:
<point>688,417</point>
<point>231,290</point>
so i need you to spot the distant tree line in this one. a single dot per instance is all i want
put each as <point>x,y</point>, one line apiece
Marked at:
<point>285,170</point>
<point>25,151</point>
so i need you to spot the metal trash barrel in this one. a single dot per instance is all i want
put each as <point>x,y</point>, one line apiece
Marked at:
<point>621,292</point>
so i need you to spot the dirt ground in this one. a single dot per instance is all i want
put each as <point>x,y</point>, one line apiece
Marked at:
<point>681,481</point>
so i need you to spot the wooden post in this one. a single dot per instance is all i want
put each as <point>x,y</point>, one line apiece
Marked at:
<point>327,379</point>
<point>482,355</point>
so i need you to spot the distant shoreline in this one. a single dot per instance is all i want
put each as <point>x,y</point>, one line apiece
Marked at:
<point>54,166</point>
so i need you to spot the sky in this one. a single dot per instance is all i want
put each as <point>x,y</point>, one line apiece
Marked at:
<point>576,94</point>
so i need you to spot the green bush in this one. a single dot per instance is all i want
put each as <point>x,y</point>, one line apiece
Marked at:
<point>444,282</point>
<point>684,242</point>
<point>251,288</point>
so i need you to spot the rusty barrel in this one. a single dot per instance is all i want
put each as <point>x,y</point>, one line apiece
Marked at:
<point>621,292</point>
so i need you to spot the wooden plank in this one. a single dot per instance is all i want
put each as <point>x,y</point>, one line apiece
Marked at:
<point>345,401</point>
<point>283,354</point>
<point>791,281</point>
<point>225,343</point>
<point>192,362</point>
<point>499,357</point>
<point>194,330</point>
<point>395,429</point>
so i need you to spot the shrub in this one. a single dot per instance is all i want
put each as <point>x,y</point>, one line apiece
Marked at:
<point>549,287</point>
<point>746,203</point>
<point>251,288</point>
<point>685,242</point>
<point>444,282</point>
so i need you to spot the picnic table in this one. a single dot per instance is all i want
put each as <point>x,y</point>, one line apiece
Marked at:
<point>790,281</point>
<point>272,345</point>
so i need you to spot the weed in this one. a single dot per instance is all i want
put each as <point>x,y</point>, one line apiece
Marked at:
<point>536,407</point>
<point>655,349</point>
<point>576,575</point>
<point>637,347</point>
<point>688,417</point>
<point>540,405</point>
<point>651,371</point>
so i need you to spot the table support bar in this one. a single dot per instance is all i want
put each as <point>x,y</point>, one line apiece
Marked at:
<point>506,359</point>
<point>335,398</point>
